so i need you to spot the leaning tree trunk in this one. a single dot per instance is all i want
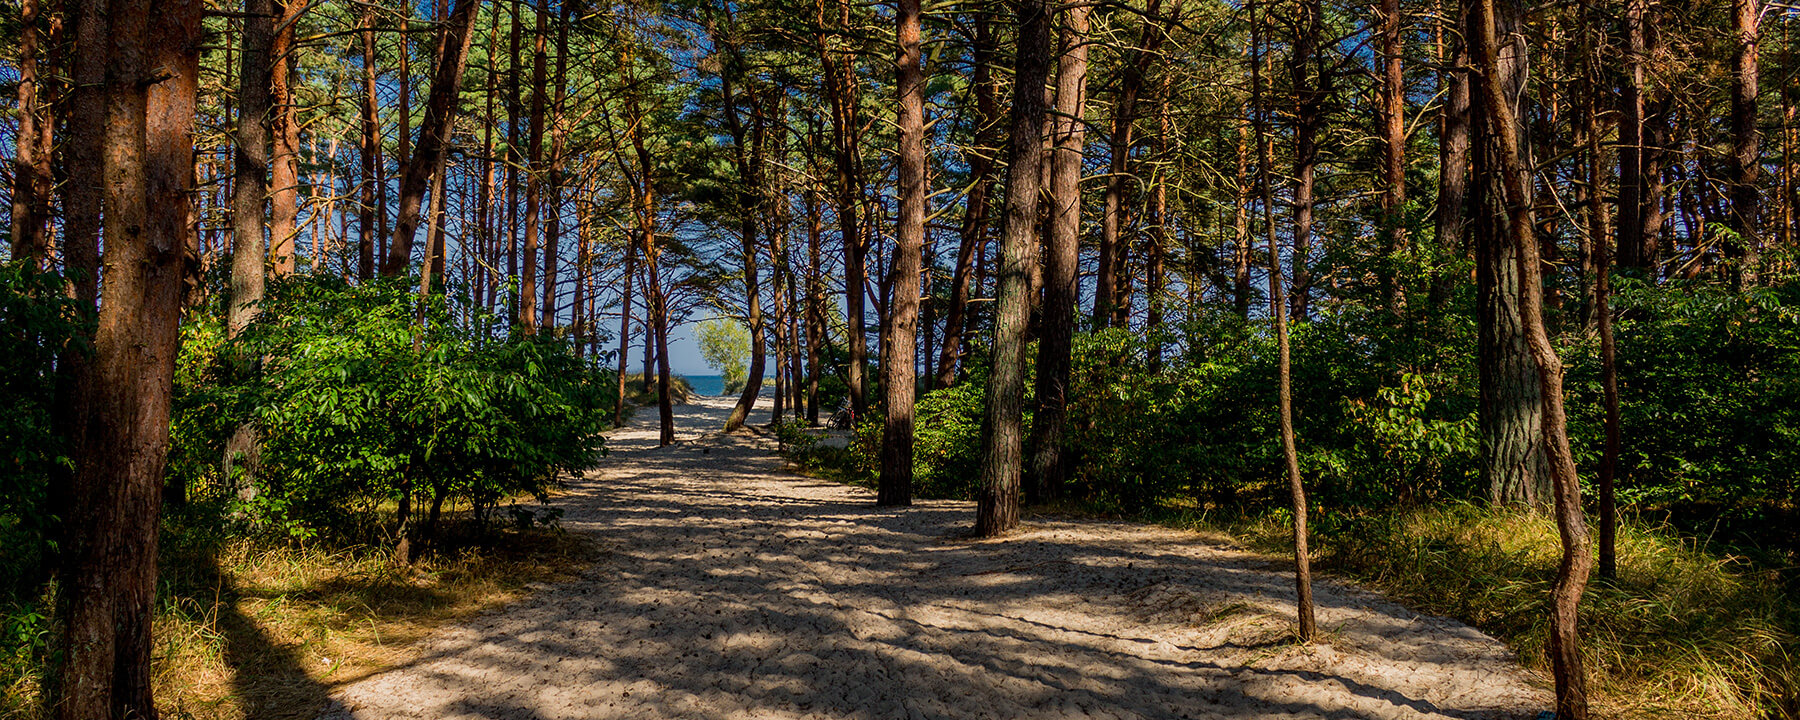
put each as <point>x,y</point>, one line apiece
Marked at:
<point>749,165</point>
<point>1049,462</point>
<point>973,233</point>
<point>434,133</point>
<point>997,499</point>
<point>1303,598</point>
<point>1500,78</point>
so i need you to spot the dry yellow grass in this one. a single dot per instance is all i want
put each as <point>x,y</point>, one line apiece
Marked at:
<point>279,628</point>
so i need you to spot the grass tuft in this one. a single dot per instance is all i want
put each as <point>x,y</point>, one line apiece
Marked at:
<point>1682,633</point>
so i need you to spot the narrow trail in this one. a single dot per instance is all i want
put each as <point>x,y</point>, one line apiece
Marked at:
<point>728,588</point>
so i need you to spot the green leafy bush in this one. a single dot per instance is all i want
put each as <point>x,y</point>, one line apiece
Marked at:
<point>37,324</point>
<point>364,397</point>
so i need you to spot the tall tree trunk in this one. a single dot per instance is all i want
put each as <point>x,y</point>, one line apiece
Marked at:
<point>1159,233</point>
<point>997,499</point>
<point>1453,160</point>
<point>1746,143</point>
<point>1500,80</point>
<point>121,448</point>
<point>32,182</point>
<point>369,152</point>
<point>839,75</point>
<point>973,233</point>
<point>284,130</point>
<point>1393,137</point>
<point>1513,465</point>
<point>553,215</point>
<point>898,362</point>
<point>1599,237</point>
<point>1240,223</point>
<point>1632,139</point>
<point>434,132</point>
<point>251,179</point>
<point>1303,602</point>
<point>1310,95</point>
<point>815,300</point>
<point>751,201</point>
<point>527,316</point>
<point>625,332</point>
<point>1049,462</point>
<point>1106,284</point>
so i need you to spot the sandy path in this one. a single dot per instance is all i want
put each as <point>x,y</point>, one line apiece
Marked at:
<point>729,589</point>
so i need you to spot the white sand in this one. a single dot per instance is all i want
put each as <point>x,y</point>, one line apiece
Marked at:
<point>731,589</point>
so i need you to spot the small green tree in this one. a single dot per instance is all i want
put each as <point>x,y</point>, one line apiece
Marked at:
<point>725,345</point>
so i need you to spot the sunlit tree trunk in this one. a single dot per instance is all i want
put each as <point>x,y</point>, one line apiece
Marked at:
<point>1500,77</point>
<point>1303,598</point>
<point>898,365</point>
<point>1393,142</point>
<point>284,131</point>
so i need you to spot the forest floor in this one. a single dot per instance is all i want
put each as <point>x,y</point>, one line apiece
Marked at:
<point>727,587</point>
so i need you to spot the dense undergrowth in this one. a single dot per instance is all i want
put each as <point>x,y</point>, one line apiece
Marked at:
<point>1701,621</point>
<point>399,458</point>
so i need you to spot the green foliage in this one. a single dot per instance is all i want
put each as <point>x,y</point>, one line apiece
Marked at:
<point>1709,382</point>
<point>725,345</point>
<point>361,395</point>
<point>37,323</point>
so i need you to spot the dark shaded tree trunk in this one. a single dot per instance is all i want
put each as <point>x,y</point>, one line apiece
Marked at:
<point>1633,199</point>
<point>997,499</point>
<point>1454,144</point>
<point>32,180</point>
<point>526,316</point>
<point>250,184</point>
<point>434,132</point>
<point>1513,466</point>
<point>121,447</point>
<point>1746,143</point>
<point>1311,91</point>
<point>1049,462</point>
<point>751,198</point>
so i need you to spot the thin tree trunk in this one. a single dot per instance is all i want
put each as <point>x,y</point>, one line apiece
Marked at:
<point>434,132</point>
<point>625,332</point>
<point>751,200</point>
<point>1631,251</point>
<point>527,316</point>
<point>553,216</point>
<point>1050,460</point>
<point>1240,223</point>
<point>1453,161</point>
<point>1303,604</point>
<point>838,72</point>
<point>32,182</point>
<point>1498,83</point>
<point>997,500</point>
<point>1393,136</point>
<point>973,233</point>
